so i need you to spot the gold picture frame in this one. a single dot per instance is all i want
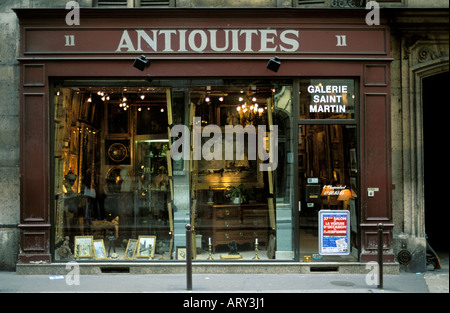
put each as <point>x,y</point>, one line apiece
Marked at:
<point>145,247</point>
<point>181,253</point>
<point>84,247</point>
<point>99,249</point>
<point>271,247</point>
<point>130,251</point>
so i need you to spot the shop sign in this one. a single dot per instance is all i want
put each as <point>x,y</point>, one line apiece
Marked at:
<point>329,190</point>
<point>210,40</point>
<point>328,99</point>
<point>334,232</point>
<point>204,41</point>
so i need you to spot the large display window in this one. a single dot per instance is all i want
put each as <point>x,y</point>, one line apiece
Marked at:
<point>135,161</point>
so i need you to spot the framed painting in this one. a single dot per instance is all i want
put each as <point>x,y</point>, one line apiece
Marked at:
<point>130,250</point>
<point>181,253</point>
<point>146,247</point>
<point>271,247</point>
<point>99,249</point>
<point>84,247</point>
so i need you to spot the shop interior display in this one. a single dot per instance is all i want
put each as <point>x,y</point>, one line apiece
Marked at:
<point>118,191</point>
<point>114,176</point>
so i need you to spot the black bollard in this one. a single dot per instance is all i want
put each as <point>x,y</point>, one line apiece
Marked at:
<point>188,257</point>
<point>380,255</point>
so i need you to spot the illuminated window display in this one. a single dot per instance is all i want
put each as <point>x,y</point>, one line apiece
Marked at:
<point>133,162</point>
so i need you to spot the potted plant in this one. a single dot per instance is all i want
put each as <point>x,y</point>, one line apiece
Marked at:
<point>238,194</point>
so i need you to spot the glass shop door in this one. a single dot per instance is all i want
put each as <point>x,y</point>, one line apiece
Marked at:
<point>328,175</point>
<point>153,192</point>
<point>327,180</point>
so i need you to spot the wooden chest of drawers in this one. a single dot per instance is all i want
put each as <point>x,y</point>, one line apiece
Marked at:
<point>226,222</point>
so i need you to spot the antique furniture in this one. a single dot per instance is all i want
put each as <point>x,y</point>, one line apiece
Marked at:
<point>243,223</point>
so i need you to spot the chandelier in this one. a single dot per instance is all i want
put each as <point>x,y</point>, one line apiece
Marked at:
<point>250,113</point>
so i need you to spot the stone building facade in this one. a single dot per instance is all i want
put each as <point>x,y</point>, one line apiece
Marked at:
<point>419,51</point>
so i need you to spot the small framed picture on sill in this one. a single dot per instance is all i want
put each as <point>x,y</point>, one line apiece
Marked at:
<point>181,253</point>
<point>84,247</point>
<point>146,247</point>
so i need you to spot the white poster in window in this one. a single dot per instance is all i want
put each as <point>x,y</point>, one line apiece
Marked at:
<point>334,232</point>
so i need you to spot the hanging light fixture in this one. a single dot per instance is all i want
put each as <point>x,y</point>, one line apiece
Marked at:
<point>141,63</point>
<point>274,64</point>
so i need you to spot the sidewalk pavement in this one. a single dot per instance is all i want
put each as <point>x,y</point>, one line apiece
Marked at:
<point>220,283</point>
<point>429,282</point>
<point>438,281</point>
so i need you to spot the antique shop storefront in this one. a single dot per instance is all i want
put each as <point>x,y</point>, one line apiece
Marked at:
<point>269,159</point>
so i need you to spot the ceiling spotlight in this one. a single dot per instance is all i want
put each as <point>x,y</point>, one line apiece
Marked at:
<point>141,63</point>
<point>274,64</point>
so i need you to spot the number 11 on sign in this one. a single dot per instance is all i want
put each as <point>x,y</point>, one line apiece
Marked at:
<point>341,40</point>
<point>70,40</point>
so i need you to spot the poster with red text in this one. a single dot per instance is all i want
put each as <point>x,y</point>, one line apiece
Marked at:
<point>334,232</point>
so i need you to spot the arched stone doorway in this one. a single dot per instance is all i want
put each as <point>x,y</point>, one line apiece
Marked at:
<point>435,130</point>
